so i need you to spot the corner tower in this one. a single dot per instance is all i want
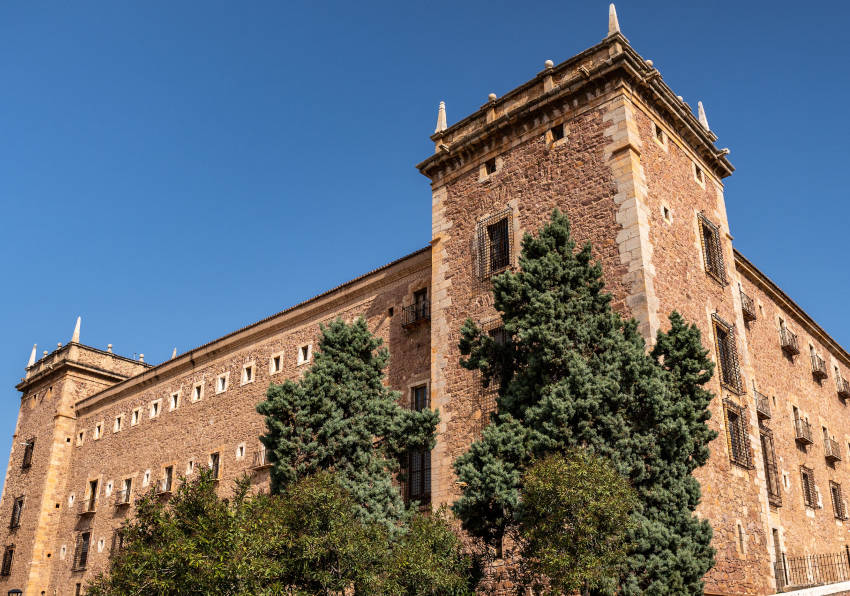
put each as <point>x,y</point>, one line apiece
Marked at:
<point>35,486</point>
<point>604,139</point>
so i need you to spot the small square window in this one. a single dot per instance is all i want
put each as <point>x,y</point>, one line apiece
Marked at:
<point>175,401</point>
<point>305,352</point>
<point>119,422</point>
<point>154,408</point>
<point>248,373</point>
<point>490,166</point>
<point>659,134</point>
<point>276,364</point>
<point>557,132</point>
<point>135,416</point>
<point>221,383</point>
<point>197,391</point>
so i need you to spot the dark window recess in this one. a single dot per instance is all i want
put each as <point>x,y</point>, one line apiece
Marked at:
<point>81,552</point>
<point>771,471</point>
<point>417,312</point>
<point>711,249</point>
<point>214,464</point>
<point>419,460</point>
<point>28,448</point>
<point>837,500</point>
<point>727,355</point>
<point>807,484</point>
<point>736,430</point>
<point>490,166</point>
<point>557,132</point>
<point>17,508</point>
<point>659,134</point>
<point>8,553</point>
<point>494,244</point>
<point>78,590</point>
<point>165,483</point>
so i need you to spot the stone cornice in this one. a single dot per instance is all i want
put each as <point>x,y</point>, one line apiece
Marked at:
<point>756,276</point>
<point>608,65</point>
<point>286,319</point>
<point>65,365</point>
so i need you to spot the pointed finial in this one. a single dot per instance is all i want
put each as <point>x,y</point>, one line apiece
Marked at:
<point>109,348</point>
<point>613,23</point>
<point>174,354</point>
<point>76,337</point>
<point>32,357</point>
<point>441,119</point>
<point>141,357</point>
<point>702,119</point>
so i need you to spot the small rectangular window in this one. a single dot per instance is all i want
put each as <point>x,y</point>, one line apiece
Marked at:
<point>698,175</point>
<point>215,461</point>
<point>304,354</point>
<point>135,416</point>
<point>712,250</point>
<point>98,429</point>
<point>419,461</point>
<point>248,374</point>
<point>197,391</point>
<point>28,449</point>
<point>119,421</point>
<point>154,412</point>
<point>81,553</point>
<point>490,166</point>
<point>221,383</point>
<point>168,476</point>
<point>81,437</point>
<point>738,442</point>
<point>276,364</point>
<point>175,400</point>
<point>494,244</point>
<point>727,355</point>
<point>837,500</point>
<point>17,509</point>
<point>807,484</point>
<point>659,134</point>
<point>8,553</point>
<point>123,496</point>
<point>557,132</point>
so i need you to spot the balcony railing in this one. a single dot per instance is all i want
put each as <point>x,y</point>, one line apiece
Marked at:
<point>762,405</point>
<point>818,367</point>
<point>843,387</point>
<point>803,431</point>
<point>122,498</point>
<point>87,506</point>
<point>812,570</point>
<point>831,450</point>
<point>748,307</point>
<point>260,460</point>
<point>164,486</point>
<point>415,313</point>
<point>788,341</point>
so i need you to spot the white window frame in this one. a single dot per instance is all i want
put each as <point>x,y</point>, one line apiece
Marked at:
<point>155,408</point>
<point>222,387</point>
<point>301,360</point>
<point>136,416</point>
<point>198,391</point>
<point>118,425</point>
<point>245,368</point>
<point>174,401</point>
<point>279,357</point>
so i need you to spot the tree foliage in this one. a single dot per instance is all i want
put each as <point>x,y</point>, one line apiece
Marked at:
<point>308,540</point>
<point>340,416</point>
<point>574,373</point>
<point>572,523</point>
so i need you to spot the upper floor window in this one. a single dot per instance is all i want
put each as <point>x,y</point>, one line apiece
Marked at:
<point>807,484</point>
<point>712,250</point>
<point>248,373</point>
<point>175,400</point>
<point>6,569</point>
<point>276,364</point>
<point>28,449</point>
<point>305,352</point>
<point>419,460</point>
<point>739,443</point>
<point>221,383</point>
<point>837,500</point>
<point>17,509</point>
<point>81,553</point>
<point>494,244</point>
<point>727,355</point>
<point>215,464</point>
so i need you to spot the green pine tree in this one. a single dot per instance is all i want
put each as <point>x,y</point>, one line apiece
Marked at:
<point>573,373</point>
<point>340,417</point>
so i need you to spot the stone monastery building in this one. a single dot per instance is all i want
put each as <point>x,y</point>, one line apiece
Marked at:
<point>601,137</point>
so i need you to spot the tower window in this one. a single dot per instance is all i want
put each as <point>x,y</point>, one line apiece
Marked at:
<point>304,354</point>
<point>490,166</point>
<point>727,355</point>
<point>17,509</point>
<point>659,134</point>
<point>175,400</point>
<point>557,132</point>
<point>736,432</point>
<point>215,465</point>
<point>276,364</point>
<point>197,391</point>
<point>119,421</point>
<point>28,449</point>
<point>807,484</point>
<point>221,383</point>
<point>711,249</point>
<point>6,569</point>
<point>248,373</point>
<point>698,175</point>
<point>154,411</point>
<point>494,244</point>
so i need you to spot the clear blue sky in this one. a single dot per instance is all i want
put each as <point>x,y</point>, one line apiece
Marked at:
<point>172,171</point>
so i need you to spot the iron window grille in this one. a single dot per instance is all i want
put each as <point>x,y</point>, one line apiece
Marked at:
<point>837,501</point>
<point>8,554</point>
<point>488,390</point>
<point>771,471</point>
<point>495,244</point>
<point>832,451</point>
<point>807,485</point>
<point>28,449</point>
<point>81,552</point>
<point>842,386</point>
<point>727,355</point>
<point>788,341</point>
<point>712,250</point>
<point>818,367</point>
<point>736,432</point>
<point>418,485</point>
<point>762,404</point>
<point>748,306</point>
<point>17,509</point>
<point>803,431</point>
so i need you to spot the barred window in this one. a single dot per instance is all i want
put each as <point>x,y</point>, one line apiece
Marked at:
<point>837,500</point>
<point>117,541</point>
<point>17,508</point>
<point>8,553</point>
<point>81,552</point>
<point>807,484</point>
<point>711,249</point>
<point>727,355</point>
<point>771,470</point>
<point>494,244</point>
<point>419,460</point>
<point>28,448</point>
<point>736,429</point>
<point>489,391</point>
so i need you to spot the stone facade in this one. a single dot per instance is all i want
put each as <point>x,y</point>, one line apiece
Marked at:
<point>600,137</point>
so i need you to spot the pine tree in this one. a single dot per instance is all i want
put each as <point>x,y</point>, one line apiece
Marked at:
<point>340,417</point>
<point>573,373</point>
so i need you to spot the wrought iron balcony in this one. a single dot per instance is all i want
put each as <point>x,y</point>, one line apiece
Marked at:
<point>415,314</point>
<point>788,341</point>
<point>803,431</point>
<point>831,450</point>
<point>122,498</point>
<point>762,405</point>
<point>260,460</point>
<point>818,367</point>
<point>748,307</point>
<point>87,506</point>
<point>843,387</point>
